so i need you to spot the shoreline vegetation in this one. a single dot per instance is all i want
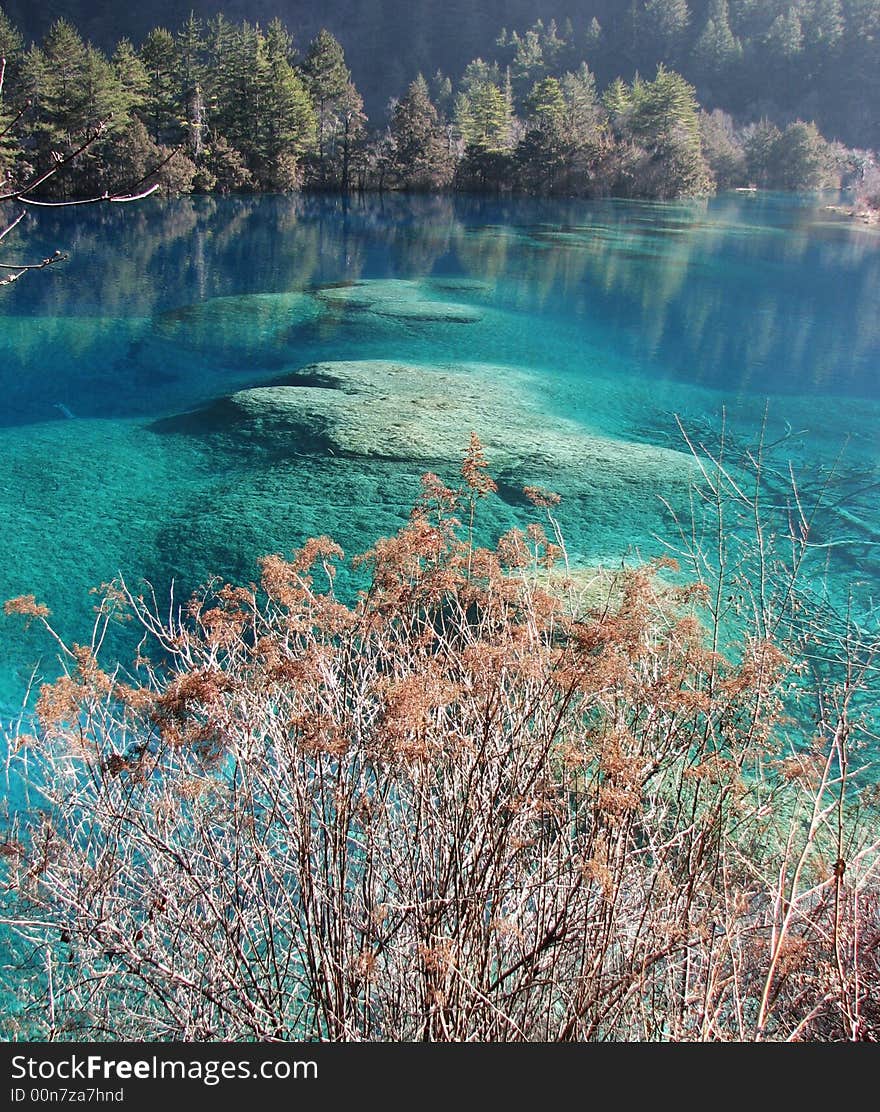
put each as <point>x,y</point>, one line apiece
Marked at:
<point>487,801</point>
<point>245,110</point>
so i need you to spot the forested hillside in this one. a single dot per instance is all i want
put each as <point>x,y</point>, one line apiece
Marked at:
<point>232,106</point>
<point>813,59</point>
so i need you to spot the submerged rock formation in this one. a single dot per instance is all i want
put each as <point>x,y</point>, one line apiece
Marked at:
<point>393,411</point>
<point>403,299</point>
<point>237,324</point>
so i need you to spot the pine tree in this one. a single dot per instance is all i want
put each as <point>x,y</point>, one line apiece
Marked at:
<point>352,130</point>
<point>131,74</point>
<point>78,97</point>
<point>823,24</point>
<point>222,76</point>
<point>189,49</point>
<point>665,121</point>
<point>662,26</point>
<point>618,103</point>
<point>541,154</point>
<point>189,75</point>
<point>760,143</point>
<point>159,55</point>
<point>785,39</point>
<point>717,50</point>
<point>749,18</point>
<point>285,124</point>
<point>800,159</point>
<point>441,94</point>
<point>593,37</point>
<point>63,95</point>
<point>238,87</point>
<point>484,117</point>
<point>327,78</point>
<point>545,105</point>
<point>10,60</point>
<point>105,98</point>
<point>584,116</point>
<point>420,156</point>
<point>528,64</point>
<point>11,48</point>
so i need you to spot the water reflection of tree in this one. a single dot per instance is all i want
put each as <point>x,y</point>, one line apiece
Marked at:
<point>668,279</point>
<point>672,280</point>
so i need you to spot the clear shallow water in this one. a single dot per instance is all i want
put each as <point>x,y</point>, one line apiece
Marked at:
<point>567,334</point>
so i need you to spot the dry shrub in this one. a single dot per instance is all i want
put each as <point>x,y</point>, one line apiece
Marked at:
<point>464,807</point>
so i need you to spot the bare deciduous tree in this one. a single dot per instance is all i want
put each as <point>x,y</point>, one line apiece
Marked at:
<point>24,194</point>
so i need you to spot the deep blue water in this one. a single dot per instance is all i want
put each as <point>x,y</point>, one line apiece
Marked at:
<point>567,334</point>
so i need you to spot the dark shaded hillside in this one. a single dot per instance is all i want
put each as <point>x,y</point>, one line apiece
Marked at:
<point>387,42</point>
<point>785,59</point>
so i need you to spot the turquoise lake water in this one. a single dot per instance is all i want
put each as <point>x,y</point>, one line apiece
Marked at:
<point>568,335</point>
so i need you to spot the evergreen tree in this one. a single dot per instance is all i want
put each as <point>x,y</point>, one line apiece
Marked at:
<point>420,155</point>
<point>584,117</point>
<point>528,57</point>
<point>224,79</point>
<point>131,74</point>
<point>327,79</point>
<point>105,99</point>
<point>238,89</point>
<point>484,117</point>
<point>189,75</point>
<point>541,154</point>
<point>352,132</point>
<point>285,124</point>
<point>750,19</point>
<point>593,37</point>
<point>663,26</point>
<point>717,50</point>
<point>279,44</point>
<point>226,167</point>
<point>545,105</point>
<point>484,120</point>
<point>442,94</point>
<point>11,48</point>
<point>760,144</point>
<point>823,24</point>
<point>530,62</point>
<point>665,121</point>
<point>159,56</point>
<point>189,48</point>
<point>64,112</point>
<point>785,39</point>
<point>618,103</point>
<point>134,153</point>
<point>77,95</point>
<point>800,159</point>
<point>10,59</point>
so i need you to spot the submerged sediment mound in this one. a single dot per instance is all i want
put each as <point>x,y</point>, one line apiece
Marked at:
<point>229,329</point>
<point>403,299</point>
<point>395,411</point>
